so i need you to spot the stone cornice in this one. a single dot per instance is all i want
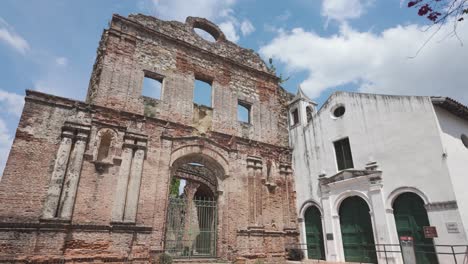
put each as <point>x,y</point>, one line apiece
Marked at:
<point>374,176</point>
<point>53,100</point>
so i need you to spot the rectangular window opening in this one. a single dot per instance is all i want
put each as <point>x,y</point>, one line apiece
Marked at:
<point>202,92</point>
<point>152,86</point>
<point>243,112</point>
<point>344,158</point>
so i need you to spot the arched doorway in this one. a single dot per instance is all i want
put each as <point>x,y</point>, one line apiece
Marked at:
<point>410,218</point>
<point>192,208</point>
<point>314,233</point>
<point>356,231</point>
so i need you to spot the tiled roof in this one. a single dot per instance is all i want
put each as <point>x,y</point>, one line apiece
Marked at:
<point>451,105</point>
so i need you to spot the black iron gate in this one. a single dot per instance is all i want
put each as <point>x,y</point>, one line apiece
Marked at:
<point>191,228</point>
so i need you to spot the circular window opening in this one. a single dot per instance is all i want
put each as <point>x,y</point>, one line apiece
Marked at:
<point>464,139</point>
<point>204,35</point>
<point>339,111</point>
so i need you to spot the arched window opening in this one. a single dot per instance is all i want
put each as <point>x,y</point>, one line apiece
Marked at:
<point>309,113</point>
<point>464,139</point>
<point>104,146</point>
<point>295,117</point>
<point>205,34</point>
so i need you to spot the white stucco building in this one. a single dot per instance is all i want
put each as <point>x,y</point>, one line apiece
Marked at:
<point>371,168</point>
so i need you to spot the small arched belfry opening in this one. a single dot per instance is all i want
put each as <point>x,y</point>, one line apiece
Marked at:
<point>309,113</point>
<point>192,210</point>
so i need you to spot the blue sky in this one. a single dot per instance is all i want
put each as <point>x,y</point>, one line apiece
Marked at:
<point>323,45</point>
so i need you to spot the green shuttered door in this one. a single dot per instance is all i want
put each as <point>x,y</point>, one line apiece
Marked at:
<point>356,231</point>
<point>411,217</point>
<point>314,234</point>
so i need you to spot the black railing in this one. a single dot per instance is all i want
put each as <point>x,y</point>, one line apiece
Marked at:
<point>445,254</point>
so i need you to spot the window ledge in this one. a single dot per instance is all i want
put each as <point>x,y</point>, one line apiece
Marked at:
<point>55,220</point>
<point>102,165</point>
<point>295,125</point>
<point>245,124</point>
<point>203,106</point>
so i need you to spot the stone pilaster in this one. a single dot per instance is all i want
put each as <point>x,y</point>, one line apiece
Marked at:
<point>133,190</point>
<point>122,182</point>
<point>58,175</point>
<point>191,225</point>
<point>259,189</point>
<point>289,216</point>
<point>254,170</point>
<point>67,199</point>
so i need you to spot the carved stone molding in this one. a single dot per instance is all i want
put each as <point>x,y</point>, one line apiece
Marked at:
<point>254,162</point>
<point>441,206</point>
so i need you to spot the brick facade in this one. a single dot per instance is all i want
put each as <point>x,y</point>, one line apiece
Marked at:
<point>59,198</point>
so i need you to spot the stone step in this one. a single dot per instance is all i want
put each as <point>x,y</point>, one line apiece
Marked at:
<point>311,261</point>
<point>200,261</point>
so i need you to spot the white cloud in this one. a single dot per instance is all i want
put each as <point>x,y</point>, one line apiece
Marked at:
<point>284,16</point>
<point>8,35</point>
<point>61,61</point>
<point>376,63</point>
<point>247,28</point>
<point>229,30</point>
<point>11,102</point>
<point>341,10</point>
<point>5,145</point>
<point>218,11</point>
<point>180,9</point>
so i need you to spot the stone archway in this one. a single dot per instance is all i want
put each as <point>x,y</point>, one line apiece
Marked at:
<point>410,218</point>
<point>314,233</point>
<point>192,210</point>
<point>356,231</point>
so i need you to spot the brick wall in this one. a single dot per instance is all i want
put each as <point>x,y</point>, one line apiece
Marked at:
<point>256,198</point>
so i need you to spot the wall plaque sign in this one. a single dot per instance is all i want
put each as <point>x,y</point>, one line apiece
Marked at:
<point>430,231</point>
<point>452,227</point>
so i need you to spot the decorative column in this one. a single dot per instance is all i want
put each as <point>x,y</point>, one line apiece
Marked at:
<point>254,177</point>
<point>134,182</point>
<point>289,216</point>
<point>383,221</point>
<point>58,175</point>
<point>67,200</point>
<point>120,194</point>
<point>331,225</point>
<point>191,226</point>
<point>129,179</point>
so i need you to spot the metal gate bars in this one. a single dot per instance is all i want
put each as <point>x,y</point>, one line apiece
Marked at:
<point>191,227</point>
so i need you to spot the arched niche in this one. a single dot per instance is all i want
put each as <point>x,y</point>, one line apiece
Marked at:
<point>105,145</point>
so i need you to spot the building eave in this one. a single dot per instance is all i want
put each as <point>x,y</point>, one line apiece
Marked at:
<point>451,105</point>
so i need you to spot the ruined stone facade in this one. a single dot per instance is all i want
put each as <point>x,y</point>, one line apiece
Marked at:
<point>91,179</point>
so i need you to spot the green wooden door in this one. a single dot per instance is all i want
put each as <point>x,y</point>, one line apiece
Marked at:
<point>314,233</point>
<point>411,217</point>
<point>356,231</point>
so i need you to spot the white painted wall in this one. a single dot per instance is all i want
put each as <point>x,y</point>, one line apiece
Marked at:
<point>400,133</point>
<point>457,157</point>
